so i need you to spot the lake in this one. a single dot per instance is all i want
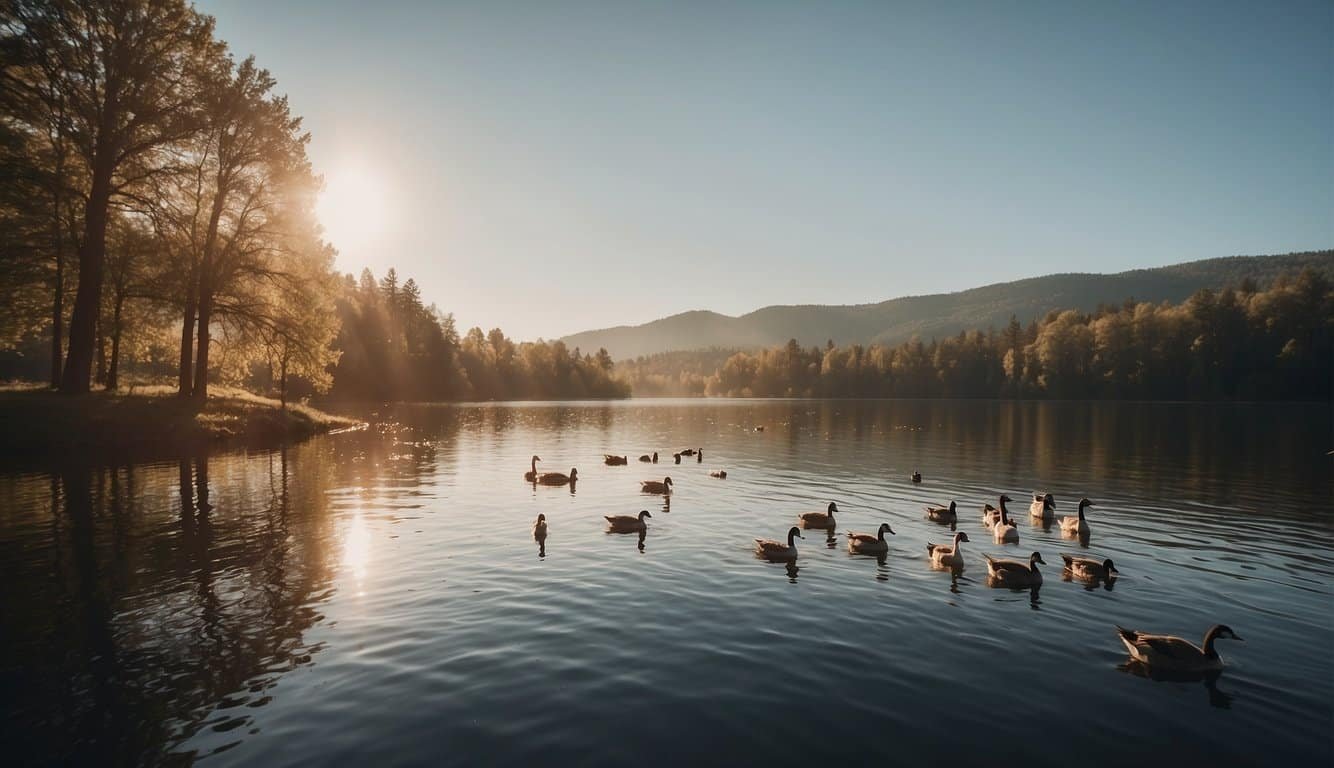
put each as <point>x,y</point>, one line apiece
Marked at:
<point>376,596</point>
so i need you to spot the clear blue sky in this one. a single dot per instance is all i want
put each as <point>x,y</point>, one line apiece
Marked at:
<point>550,167</point>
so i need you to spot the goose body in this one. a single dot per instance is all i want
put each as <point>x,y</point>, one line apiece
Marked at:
<point>647,458</point>
<point>947,557</point>
<point>615,461</point>
<point>870,543</point>
<point>531,474</point>
<point>558,478</point>
<point>1004,531</point>
<point>990,515</point>
<point>1089,569</point>
<point>1043,506</point>
<point>721,474</point>
<point>628,523</point>
<point>1077,526</point>
<point>1175,654</point>
<point>688,452</point>
<point>916,476</point>
<point>777,550</point>
<point>1015,573</point>
<point>653,486</point>
<point>540,528</point>
<point>948,514</point>
<point>818,519</point>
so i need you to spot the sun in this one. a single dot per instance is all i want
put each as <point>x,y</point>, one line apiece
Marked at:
<point>353,208</point>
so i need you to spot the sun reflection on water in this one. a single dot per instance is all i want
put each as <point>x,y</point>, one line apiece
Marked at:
<point>357,550</point>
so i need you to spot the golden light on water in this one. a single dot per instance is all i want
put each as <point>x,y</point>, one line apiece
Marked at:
<point>354,206</point>
<point>357,549</point>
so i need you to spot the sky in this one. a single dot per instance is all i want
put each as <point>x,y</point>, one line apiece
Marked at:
<point>552,167</point>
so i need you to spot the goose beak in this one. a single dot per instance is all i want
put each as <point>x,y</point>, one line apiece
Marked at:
<point>1237,637</point>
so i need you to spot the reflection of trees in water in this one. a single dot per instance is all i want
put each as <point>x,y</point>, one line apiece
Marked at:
<point>167,599</point>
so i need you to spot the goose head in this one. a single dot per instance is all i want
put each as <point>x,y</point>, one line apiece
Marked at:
<point>1049,501</point>
<point>643,513</point>
<point>960,537</point>
<point>1109,568</point>
<point>574,474</point>
<point>832,508</point>
<point>667,481</point>
<point>1035,559</point>
<point>1084,502</point>
<point>884,529</point>
<point>793,533</point>
<point>952,508</point>
<point>1224,632</point>
<point>541,518</point>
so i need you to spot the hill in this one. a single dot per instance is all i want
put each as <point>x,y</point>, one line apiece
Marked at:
<point>939,315</point>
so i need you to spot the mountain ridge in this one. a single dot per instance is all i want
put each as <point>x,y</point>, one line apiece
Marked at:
<point>899,319</point>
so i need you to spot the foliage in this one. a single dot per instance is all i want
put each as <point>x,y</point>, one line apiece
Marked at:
<point>1235,344</point>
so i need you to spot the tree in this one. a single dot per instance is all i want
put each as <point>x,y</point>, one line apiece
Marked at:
<point>122,71</point>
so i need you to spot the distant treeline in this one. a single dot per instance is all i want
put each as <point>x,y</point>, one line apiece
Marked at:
<point>1240,343</point>
<point>394,348</point>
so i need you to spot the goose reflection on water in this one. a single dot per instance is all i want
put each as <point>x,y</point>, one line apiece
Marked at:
<point>1217,697</point>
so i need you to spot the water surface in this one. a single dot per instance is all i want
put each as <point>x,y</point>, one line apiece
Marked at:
<point>376,596</point>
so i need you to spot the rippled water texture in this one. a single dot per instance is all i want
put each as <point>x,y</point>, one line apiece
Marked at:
<point>376,595</point>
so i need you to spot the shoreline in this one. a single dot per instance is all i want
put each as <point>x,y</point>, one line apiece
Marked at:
<point>149,423</point>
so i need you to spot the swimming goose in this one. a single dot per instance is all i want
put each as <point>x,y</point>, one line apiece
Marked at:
<point>990,515</point>
<point>628,523</point>
<point>948,514</point>
<point>776,550</point>
<point>653,486</point>
<point>687,451</point>
<point>916,476</point>
<point>699,456</point>
<point>1015,573</point>
<point>721,474</point>
<point>947,557</point>
<point>558,478</point>
<point>1005,531</point>
<point>531,474</point>
<point>818,519</point>
<point>615,461</point>
<point>540,528</point>
<point>1170,653</point>
<point>870,543</point>
<point>1089,569</point>
<point>677,456</point>
<point>1077,526</point>
<point>647,458</point>
<point>1042,506</point>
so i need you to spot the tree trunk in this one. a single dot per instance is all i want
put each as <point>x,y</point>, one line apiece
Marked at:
<point>101,377</point>
<point>58,300</point>
<point>88,297</point>
<point>200,391</point>
<point>185,378</point>
<point>282,390</point>
<point>113,371</point>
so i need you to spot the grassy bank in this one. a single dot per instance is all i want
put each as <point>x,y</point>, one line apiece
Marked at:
<point>148,422</point>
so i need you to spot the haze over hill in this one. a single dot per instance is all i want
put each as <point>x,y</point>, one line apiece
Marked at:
<point>938,315</point>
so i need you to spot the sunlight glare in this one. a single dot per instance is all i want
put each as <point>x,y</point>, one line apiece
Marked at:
<point>357,549</point>
<point>353,207</point>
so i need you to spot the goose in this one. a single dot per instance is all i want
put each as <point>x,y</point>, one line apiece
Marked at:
<point>870,543</point>
<point>628,523</point>
<point>947,557</point>
<point>916,476</point>
<point>1015,573</point>
<point>948,514</point>
<point>818,519</point>
<point>1174,654</point>
<point>776,550</point>
<point>990,515</point>
<point>699,456</point>
<point>1089,569</point>
<point>677,456</point>
<point>687,451</point>
<point>1077,526</point>
<point>653,486</point>
<point>647,458</point>
<point>721,474</point>
<point>615,461</point>
<point>1005,531</point>
<point>531,474</point>
<point>760,428</point>
<point>1042,506</point>
<point>558,478</point>
<point>540,528</point>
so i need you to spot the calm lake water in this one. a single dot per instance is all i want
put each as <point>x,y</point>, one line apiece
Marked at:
<point>376,596</point>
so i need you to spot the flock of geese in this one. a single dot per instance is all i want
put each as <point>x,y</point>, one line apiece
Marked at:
<point>1157,653</point>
